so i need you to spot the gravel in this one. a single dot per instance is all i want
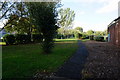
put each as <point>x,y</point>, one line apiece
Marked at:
<point>103,60</point>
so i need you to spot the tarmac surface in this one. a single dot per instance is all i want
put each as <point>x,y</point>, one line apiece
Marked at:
<point>72,68</point>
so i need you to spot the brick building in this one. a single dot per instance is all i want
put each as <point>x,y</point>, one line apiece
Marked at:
<point>114,29</point>
<point>114,32</point>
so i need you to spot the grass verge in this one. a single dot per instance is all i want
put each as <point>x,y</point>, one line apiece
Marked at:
<point>23,61</point>
<point>84,40</point>
<point>2,43</point>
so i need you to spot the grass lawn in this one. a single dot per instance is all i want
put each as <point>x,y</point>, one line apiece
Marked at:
<point>84,40</point>
<point>65,40</point>
<point>20,61</point>
<point>70,40</point>
<point>2,43</point>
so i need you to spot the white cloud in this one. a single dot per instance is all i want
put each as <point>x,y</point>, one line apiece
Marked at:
<point>95,26</point>
<point>87,1</point>
<point>81,13</point>
<point>110,6</point>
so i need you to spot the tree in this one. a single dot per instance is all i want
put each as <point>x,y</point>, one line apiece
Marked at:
<point>44,15</point>
<point>66,19</point>
<point>105,32</point>
<point>90,32</point>
<point>101,33</point>
<point>78,32</point>
<point>21,24</point>
<point>80,29</point>
<point>98,33</point>
<point>7,8</point>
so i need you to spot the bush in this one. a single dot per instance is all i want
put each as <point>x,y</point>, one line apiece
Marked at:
<point>37,37</point>
<point>58,36</point>
<point>9,39</point>
<point>91,37</point>
<point>1,40</point>
<point>85,36</point>
<point>99,38</point>
<point>78,35</point>
<point>22,38</point>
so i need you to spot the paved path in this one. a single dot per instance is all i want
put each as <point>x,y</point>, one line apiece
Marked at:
<point>73,67</point>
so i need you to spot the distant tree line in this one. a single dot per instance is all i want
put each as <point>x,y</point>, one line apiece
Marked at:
<point>40,22</point>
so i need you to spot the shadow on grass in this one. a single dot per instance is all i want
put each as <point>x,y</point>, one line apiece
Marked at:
<point>23,61</point>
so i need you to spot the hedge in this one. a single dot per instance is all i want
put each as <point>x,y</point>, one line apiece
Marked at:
<point>99,38</point>
<point>91,37</point>
<point>37,37</point>
<point>22,39</point>
<point>78,35</point>
<point>9,39</point>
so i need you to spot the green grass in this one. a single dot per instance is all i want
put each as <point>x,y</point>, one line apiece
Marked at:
<point>84,40</point>
<point>65,40</point>
<point>70,40</point>
<point>2,43</point>
<point>20,61</point>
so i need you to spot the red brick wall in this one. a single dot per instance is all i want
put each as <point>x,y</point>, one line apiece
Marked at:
<point>119,33</point>
<point>114,31</point>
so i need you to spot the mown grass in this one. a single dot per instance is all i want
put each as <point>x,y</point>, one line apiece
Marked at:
<point>64,40</point>
<point>21,61</point>
<point>2,43</point>
<point>84,40</point>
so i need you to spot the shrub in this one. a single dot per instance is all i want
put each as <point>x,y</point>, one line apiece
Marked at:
<point>70,36</point>
<point>78,35</point>
<point>58,36</point>
<point>91,37</point>
<point>1,40</point>
<point>22,38</point>
<point>85,36</point>
<point>9,39</point>
<point>37,37</point>
<point>99,38</point>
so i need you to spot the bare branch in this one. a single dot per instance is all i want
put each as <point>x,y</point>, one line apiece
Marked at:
<point>6,11</point>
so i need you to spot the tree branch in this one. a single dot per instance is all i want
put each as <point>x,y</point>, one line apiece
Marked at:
<point>6,11</point>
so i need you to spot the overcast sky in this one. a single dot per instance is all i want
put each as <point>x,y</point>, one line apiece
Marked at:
<point>93,14</point>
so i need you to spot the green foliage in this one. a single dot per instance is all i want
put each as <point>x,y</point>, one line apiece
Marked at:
<point>1,40</point>
<point>20,23</point>
<point>44,15</point>
<point>91,37</point>
<point>59,36</point>
<point>80,29</point>
<point>78,35</point>
<point>9,39</point>
<point>99,38</point>
<point>22,38</point>
<point>101,33</point>
<point>66,19</point>
<point>90,32</point>
<point>37,38</point>
<point>84,36</point>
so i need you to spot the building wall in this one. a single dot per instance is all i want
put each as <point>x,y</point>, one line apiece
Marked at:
<point>119,34</point>
<point>114,31</point>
